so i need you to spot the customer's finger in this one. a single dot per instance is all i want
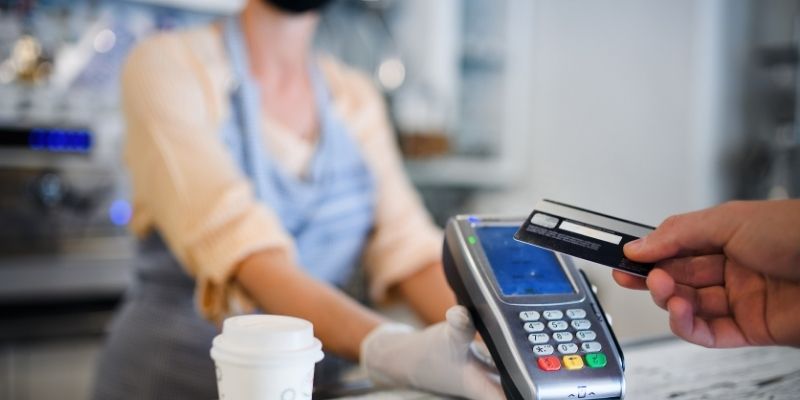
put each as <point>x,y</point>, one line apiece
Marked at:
<point>629,281</point>
<point>706,302</point>
<point>715,332</point>
<point>685,325</point>
<point>699,232</point>
<point>698,272</point>
<point>661,286</point>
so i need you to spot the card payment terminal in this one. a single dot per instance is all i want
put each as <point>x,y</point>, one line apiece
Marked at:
<point>536,312</point>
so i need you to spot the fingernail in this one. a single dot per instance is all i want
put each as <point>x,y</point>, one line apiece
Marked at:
<point>634,245</point>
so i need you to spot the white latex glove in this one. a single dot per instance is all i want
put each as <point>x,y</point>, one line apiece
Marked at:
<point>436,359</point>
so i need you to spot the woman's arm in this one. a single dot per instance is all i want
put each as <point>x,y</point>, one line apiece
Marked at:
<point>280,287</point>
<point>428,293</point>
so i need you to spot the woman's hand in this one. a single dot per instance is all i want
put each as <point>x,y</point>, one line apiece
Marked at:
<point>436,359</point>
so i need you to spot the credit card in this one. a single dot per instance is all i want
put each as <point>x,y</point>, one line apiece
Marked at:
<point>585,234</point>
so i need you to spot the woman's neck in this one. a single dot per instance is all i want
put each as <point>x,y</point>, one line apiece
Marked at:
<point>278,44</point>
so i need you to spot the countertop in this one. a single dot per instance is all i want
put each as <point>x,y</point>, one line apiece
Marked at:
<point>670,369</point>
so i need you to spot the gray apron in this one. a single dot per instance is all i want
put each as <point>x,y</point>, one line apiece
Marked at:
<point>158,343</point>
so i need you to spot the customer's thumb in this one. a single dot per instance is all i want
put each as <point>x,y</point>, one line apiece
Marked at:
<point>635,248</point>
<point>661,244</point>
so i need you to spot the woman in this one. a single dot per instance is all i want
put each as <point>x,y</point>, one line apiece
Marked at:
<point>268,175</point>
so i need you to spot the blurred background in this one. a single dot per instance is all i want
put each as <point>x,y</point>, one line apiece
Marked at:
<point>638,109</point>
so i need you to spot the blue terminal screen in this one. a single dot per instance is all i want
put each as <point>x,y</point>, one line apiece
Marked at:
<point>521,269</point>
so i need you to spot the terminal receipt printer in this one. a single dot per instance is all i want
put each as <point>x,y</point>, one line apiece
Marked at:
<point>536,312</point>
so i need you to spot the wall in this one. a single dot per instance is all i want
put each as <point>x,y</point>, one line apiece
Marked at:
<point>634,110</point>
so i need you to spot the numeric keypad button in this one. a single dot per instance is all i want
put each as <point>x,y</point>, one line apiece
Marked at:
<point>562,336</point>
<point>591,347</point>
<point>543,349</point>
<point>585,336</point>
<point>533,327</point>
<point>581,324</point>
<point>576,313</point>
<point>557,325</point>
<point>568,348</point>
<point>529,316</point>
<point>552,315</point>
<point>538,338</point>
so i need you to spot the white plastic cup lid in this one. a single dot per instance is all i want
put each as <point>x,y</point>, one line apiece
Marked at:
<point>264,338</point>
<point>269,332</point>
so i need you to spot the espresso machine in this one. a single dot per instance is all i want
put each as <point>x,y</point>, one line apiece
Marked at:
<point>65,251</point>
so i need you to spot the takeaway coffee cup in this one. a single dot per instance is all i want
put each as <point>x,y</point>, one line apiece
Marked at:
<point>265,357</point>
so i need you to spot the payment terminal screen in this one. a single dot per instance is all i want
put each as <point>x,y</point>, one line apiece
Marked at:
<point>521,269</point>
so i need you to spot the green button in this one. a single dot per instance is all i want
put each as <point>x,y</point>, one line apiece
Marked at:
<point>471,239</point>
<point>596,360</point>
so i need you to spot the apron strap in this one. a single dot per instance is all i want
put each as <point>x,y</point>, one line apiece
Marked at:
<point>244,101</point>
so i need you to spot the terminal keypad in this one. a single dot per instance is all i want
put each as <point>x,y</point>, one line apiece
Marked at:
<point>562,337</point>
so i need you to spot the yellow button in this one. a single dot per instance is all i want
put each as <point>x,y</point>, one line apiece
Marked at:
<point>573,362</point>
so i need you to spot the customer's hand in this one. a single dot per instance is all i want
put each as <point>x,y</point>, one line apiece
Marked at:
<point>436,359</point>
<point>728,275</point>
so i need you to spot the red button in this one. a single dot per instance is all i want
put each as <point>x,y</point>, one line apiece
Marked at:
<point>549,363</point>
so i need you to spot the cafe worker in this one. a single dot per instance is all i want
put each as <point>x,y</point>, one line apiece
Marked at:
<point>264,176</point>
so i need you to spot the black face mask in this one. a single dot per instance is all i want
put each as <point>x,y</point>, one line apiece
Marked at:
<point>297,6</point>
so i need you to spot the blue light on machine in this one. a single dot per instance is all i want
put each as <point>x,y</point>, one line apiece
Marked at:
<point>120,212</point>
<point>59,141</point>
<point>36,139</point>
<point>473,219</point>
